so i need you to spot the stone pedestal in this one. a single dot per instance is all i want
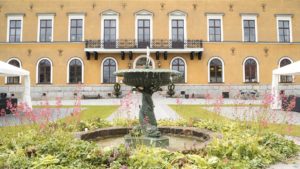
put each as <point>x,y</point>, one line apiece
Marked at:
<point>162,141</point>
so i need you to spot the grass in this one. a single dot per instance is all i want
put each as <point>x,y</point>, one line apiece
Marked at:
<point>195,111</point>
<point>92,112</point>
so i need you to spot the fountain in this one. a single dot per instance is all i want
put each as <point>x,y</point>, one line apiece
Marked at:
<point>147,81</point>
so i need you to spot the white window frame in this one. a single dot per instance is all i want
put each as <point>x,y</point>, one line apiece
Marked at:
<point>14,58</point>
<point>41,17</point>
<point>285,57</point>
<point>223,68</point>
<point>68,69</point>
<point>284,18</point>
<point>109,14</point>
<point>76,16</point>
<point>143,15</point>
<point>37,71</point>
<point>14,17</point>
<point>175,15</point>
<point>102,67</point>
<point>257,68</point>
<point>250,17</point>
<point>185,66</point>
<point>215,16</point>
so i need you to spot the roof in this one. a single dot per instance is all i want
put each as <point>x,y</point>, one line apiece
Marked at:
<point>10,70</point>
<point>291,69</point>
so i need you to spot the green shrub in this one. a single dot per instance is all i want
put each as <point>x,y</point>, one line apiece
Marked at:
<point>234,145</point>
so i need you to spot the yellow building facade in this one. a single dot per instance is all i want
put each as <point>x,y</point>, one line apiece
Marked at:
<point>216,44</point>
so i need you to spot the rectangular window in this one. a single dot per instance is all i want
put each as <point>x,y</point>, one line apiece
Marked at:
<point>249,31</point>
<point>109,33</point>
<point>215,30</point>
<point>45,30</point>
<point>177,33</point>
<point>284,30</point>
<point>15,27</point>
<point>76,29</point>
<point>143,33</point>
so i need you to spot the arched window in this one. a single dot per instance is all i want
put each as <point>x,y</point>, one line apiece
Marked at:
<point>179,65</point>
<point>141,63</point>
<point>44,71</point>
<point>75,71</point>
<point>109,67</point>
<point>14,79</point>
<point>215,71</point>
<point>289,78</point>
<point>250,70</point>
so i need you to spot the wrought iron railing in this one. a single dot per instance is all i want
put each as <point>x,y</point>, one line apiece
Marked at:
<point>134,44</point>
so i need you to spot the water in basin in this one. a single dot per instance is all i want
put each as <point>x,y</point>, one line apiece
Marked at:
<point>177,143</point>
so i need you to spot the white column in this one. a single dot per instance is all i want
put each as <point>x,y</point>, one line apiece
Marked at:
<point>26,92</point>
<point>276,103</point>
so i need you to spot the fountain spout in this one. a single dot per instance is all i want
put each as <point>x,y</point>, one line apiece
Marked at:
<point>148,57</point>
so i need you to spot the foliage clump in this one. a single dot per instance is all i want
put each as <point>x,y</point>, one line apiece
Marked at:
<point>234,145</point>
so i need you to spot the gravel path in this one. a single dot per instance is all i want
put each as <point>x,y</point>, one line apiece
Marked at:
<point>255,112</point>
<point>130,107</point>
<point>39,115</point>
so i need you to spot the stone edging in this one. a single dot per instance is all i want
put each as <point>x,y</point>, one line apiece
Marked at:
<point>118,131</point>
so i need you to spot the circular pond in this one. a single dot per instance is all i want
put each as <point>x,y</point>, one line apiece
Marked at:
<point>180,138</point>
<point>176,143</point>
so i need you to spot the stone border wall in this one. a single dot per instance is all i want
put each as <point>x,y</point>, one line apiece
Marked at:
<point>105,91</point>
<point>119,131</point>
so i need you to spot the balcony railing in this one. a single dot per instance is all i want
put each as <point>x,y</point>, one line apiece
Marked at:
<point>134,44</point>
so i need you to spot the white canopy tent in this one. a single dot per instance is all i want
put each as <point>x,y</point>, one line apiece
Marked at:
<point>291,69</point>
<point>10,70</point>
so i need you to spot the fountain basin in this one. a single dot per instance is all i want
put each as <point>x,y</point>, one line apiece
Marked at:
<point>147,77</point>
<point>179,138</point>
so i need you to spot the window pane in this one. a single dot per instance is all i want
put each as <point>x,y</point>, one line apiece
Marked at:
<point>180,32</point>
<point>147,31</point>
<point>79,31</point>
<point>180,23</point>
<point>140,23</point>
<point>18,32</point>
<point>106,23</point>
<point>246,23</point>
<point>287,38</point>
<point>280,24</point>
<point>43,23</point>
<point>286,32</point>
<point>218,31</point>
<point>218,37</point>
<point>280,31</point>
<point>174,23</point>
<point>73,23</point>
<point>217,22</point>
<point>147,23</point>
<point>113,23</point>
<point>286,24</point>
<point>12,31</point>
<point>251,23</point>
<point>12,23</point>
<point>211,23</point>
<point>211,31</point>
<point>79,23</point>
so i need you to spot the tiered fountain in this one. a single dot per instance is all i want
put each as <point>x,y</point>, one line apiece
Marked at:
<point>147,81</point>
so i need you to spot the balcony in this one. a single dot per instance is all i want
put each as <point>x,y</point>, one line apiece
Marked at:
<point>155,45</point>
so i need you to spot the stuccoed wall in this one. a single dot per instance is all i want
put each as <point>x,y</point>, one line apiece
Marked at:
<point>67,92</point>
